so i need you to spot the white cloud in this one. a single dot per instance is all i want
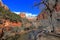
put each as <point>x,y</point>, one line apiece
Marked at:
<point>30,15</point>
<point>27,14</point>
<point>17,12</point>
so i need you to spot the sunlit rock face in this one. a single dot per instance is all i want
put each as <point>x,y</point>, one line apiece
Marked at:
<point>3,5</point>
<point>7,24</point>
<point>14,24</point>
<point>22,15</point>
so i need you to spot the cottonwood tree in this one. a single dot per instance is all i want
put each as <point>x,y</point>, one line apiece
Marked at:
<point>50,8</point>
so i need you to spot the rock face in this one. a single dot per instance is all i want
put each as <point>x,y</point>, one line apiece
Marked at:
<point>8,24</point>
<point>3,5</point>
<point>58,7</point>
<point>18,24</point>
<point>42,15</point>
<point>22,15</point>
<point>6,8</point>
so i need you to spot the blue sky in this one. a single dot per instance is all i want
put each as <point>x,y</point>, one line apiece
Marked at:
<point>22,6</point>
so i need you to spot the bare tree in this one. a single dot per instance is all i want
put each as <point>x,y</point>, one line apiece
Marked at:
<point>50,6</point>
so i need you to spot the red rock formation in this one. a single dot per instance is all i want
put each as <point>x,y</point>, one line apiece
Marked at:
<point>16,24</point>
<point>42,15</point>
<point>12,24</point>
<point>8,24</point>
<point>22,15</point>
<point>58,7</point>
<point>6,8</point>
<point>3,5</point>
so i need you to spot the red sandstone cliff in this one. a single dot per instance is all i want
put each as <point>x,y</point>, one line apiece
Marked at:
<point>7,24</point>
<point>42,15</point>
<point>3,5</point>
<point>22,15</point>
